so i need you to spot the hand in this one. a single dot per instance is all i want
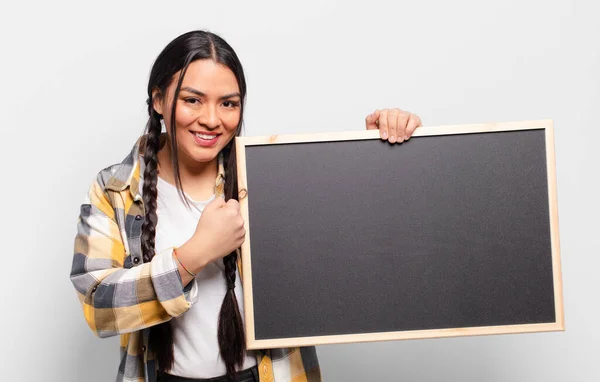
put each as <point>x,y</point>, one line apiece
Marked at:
<point>395,125</point>
<point>219,232</point>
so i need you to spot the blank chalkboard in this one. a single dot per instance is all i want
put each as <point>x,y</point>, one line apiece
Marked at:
<point>352,239</point>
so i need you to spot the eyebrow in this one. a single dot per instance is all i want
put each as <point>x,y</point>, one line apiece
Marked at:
<point>200,94</point>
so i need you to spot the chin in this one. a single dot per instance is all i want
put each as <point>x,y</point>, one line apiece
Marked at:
<point>206,156</point>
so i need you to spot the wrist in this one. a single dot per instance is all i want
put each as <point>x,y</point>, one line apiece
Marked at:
<point>192,256</point>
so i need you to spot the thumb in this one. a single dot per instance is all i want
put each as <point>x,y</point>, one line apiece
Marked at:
<point>217,202</point>
<point>371,120</point>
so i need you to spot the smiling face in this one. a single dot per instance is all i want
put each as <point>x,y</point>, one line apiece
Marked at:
<point>208,110</point>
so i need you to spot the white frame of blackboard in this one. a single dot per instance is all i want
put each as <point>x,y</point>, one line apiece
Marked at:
<point>253,343</point>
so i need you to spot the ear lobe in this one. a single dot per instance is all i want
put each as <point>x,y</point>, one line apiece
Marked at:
<point>157,101</point>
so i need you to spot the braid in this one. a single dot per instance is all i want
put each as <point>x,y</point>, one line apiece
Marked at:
<point>230,332</point>
<point>150,191</point>
<point>161,336</point>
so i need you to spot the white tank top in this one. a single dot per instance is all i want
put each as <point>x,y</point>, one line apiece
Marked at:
<point>196,350</point>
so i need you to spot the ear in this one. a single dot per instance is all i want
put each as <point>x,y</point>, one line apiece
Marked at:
<point>157,101</point>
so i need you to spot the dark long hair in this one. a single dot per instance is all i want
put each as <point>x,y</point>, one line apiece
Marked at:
<point>175,57</point>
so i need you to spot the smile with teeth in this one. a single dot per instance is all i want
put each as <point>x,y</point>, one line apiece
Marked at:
<point>207,137</point>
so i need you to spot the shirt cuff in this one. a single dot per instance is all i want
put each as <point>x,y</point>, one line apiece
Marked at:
<point>168,285</point>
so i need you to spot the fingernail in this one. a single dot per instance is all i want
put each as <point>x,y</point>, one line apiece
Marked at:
<point>406,138</point>
<point>392,138</point>
<point>384,135</point>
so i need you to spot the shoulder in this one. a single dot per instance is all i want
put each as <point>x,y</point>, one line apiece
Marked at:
<point>120,176</point>
<point>106,175</point>
<point>111,180</point>
<point>115,177</point>
<point>111,189</point>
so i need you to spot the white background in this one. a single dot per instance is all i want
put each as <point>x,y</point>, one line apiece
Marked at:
<point>74,75</point>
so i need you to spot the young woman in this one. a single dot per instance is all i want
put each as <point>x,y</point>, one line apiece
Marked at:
<point>155,256</point>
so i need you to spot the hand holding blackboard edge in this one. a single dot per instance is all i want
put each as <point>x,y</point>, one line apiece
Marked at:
<point>557,325</point>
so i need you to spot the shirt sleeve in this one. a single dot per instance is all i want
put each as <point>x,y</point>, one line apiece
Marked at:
<point>294,364</point>
<point>118,300</point>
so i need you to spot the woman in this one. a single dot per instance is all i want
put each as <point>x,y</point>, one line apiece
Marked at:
<point>155,255</point>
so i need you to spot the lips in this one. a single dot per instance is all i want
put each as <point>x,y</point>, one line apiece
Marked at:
<point>205,135</point>
<point>205,138</point>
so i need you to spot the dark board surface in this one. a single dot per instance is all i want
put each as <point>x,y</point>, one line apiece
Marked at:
<point>360,236</point>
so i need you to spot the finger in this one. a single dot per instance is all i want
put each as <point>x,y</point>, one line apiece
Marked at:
<point>240,222</point>
<point>383,124</point>
<point>413,122</point>
<point>216,203</point>
<point>402,122</point>
<point>371,120</point>
<point>240,234</point>
<point>234,204</point>
<point>393,125</point>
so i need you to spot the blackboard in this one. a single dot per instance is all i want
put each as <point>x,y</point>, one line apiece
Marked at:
<point>352,239</point>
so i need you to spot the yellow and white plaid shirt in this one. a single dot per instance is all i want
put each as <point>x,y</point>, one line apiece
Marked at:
<point>122,295</point>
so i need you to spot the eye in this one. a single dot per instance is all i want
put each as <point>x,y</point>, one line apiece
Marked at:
<point>231,104</point>
<point>192,101</point>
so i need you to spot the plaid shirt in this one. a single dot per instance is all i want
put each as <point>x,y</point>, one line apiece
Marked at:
<point>122,295</point>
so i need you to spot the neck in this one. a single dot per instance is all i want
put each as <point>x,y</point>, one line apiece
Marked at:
<point>197,179</point>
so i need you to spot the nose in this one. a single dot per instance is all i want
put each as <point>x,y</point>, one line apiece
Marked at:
<point>209,118</point>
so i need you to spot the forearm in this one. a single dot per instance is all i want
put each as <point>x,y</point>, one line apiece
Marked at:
<point>122,300</point>
<point>191,258</point>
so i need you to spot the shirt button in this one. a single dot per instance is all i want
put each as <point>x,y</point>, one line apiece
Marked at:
<point>138,217</point>
<point>143,349</point>
<point>136,260</point>
<point>94,288</point>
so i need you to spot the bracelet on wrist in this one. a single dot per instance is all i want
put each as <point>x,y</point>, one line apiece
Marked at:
<point>180,263</point>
